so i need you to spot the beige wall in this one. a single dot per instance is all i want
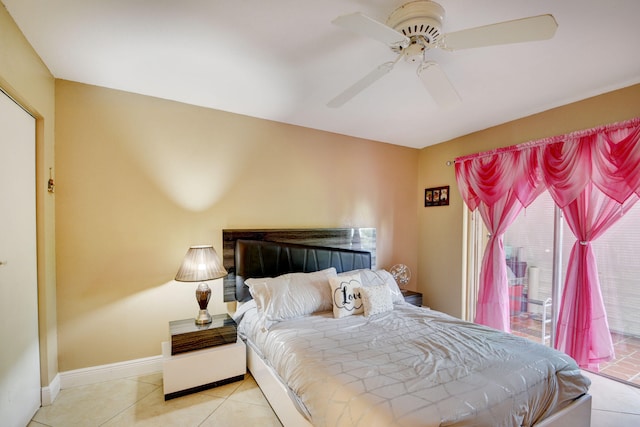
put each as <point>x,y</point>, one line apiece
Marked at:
<point>26,79</point>
<point>441,246</point>
<point>141,179</point>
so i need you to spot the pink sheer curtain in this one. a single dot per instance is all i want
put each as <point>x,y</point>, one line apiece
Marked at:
<point>583,329</point>
<point>499,186</point>
<point>594,176</point>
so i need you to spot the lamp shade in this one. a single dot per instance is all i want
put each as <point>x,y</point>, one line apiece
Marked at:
<point>199,264</point>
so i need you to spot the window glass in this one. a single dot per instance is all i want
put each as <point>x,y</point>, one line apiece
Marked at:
<point>529,256</point>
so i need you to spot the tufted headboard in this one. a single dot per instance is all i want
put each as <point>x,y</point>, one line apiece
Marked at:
<point>270,259</point>
<point>271,252</point>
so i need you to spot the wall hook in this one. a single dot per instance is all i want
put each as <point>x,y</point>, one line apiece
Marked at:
<point>51,186</point>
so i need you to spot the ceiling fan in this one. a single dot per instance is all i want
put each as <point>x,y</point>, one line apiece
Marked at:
<point>415,27</point>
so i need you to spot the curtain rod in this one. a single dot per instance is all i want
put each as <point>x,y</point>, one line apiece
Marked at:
<point>553,139</point>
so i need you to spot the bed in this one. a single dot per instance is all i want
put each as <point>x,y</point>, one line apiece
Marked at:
<point>398,365</point>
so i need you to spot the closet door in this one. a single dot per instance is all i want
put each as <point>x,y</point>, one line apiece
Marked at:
<point>20,352</point>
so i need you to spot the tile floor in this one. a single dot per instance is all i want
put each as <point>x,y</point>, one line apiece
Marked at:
<point>140,402</point>
<point>614,403</point>
<point>626,365</point>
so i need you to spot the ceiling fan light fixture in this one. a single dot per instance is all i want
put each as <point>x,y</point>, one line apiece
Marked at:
<point>415,51</point>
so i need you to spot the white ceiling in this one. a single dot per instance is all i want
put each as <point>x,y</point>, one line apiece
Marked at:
<point>283,60</point>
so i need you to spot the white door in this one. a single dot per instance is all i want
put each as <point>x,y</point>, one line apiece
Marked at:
<point>19,346</point>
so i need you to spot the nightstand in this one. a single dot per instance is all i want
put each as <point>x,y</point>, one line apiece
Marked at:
<point>412,297</point>
<point>199,357</point>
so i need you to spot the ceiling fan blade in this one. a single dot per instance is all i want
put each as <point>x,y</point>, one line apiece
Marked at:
<point>368,27</point>
<point>438,85</point>
<point>540,27</point>
<point>361,84</point>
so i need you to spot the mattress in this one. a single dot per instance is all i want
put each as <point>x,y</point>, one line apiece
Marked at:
<point>412,367</point>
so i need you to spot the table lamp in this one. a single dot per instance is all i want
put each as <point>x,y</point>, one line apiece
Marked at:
<point>201,263</point>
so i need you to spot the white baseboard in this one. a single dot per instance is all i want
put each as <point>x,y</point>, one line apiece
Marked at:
<point>49,393</point>
<point>113,371</point>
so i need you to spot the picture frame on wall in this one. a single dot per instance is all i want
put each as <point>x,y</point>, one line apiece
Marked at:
<point>436,196</point>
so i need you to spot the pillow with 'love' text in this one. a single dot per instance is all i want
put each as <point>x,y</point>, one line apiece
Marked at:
<point>346,296</point>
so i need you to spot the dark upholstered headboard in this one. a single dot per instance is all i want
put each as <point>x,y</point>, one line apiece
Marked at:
<point>270,259</point>
<point>336,239</point>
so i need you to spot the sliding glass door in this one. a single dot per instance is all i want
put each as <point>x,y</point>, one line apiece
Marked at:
<point>537,247</point>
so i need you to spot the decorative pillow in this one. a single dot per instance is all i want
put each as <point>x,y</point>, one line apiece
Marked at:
<point>291,295</point>
<point>376,299</point>
<point>379,277</point>
<point>345,294</point>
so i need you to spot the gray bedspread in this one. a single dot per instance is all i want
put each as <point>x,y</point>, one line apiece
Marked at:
<point>414,367</point>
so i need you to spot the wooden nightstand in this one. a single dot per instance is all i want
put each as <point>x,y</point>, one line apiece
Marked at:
<point>200,357</point>
<point>412,297</point>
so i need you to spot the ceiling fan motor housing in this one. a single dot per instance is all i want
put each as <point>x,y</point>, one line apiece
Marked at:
<point>421,21</point>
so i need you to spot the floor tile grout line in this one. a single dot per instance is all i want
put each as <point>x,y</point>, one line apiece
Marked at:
<point>635,414</point>
<point>227,398</point>
<point>133,404</point>
<point>212,412</point>
<point>618,380</point>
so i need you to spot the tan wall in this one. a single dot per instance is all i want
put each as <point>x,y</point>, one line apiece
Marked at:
<point>141,179</point>
<point>441,247</point>
<point>26,79</point>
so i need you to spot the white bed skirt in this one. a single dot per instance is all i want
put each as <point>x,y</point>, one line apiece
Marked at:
<point>577,414</point>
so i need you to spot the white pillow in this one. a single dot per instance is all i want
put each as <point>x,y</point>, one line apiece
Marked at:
<point>376,299</point>
<point>241,310</point>
<point>345,294</point>
<point>379,277</point>
<point>291,295</point>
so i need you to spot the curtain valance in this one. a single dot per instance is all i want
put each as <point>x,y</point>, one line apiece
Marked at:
<point>608,156</point>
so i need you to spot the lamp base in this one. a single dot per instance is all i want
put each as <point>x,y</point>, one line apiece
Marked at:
<point>203,294</point>
<point>204,318</point>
